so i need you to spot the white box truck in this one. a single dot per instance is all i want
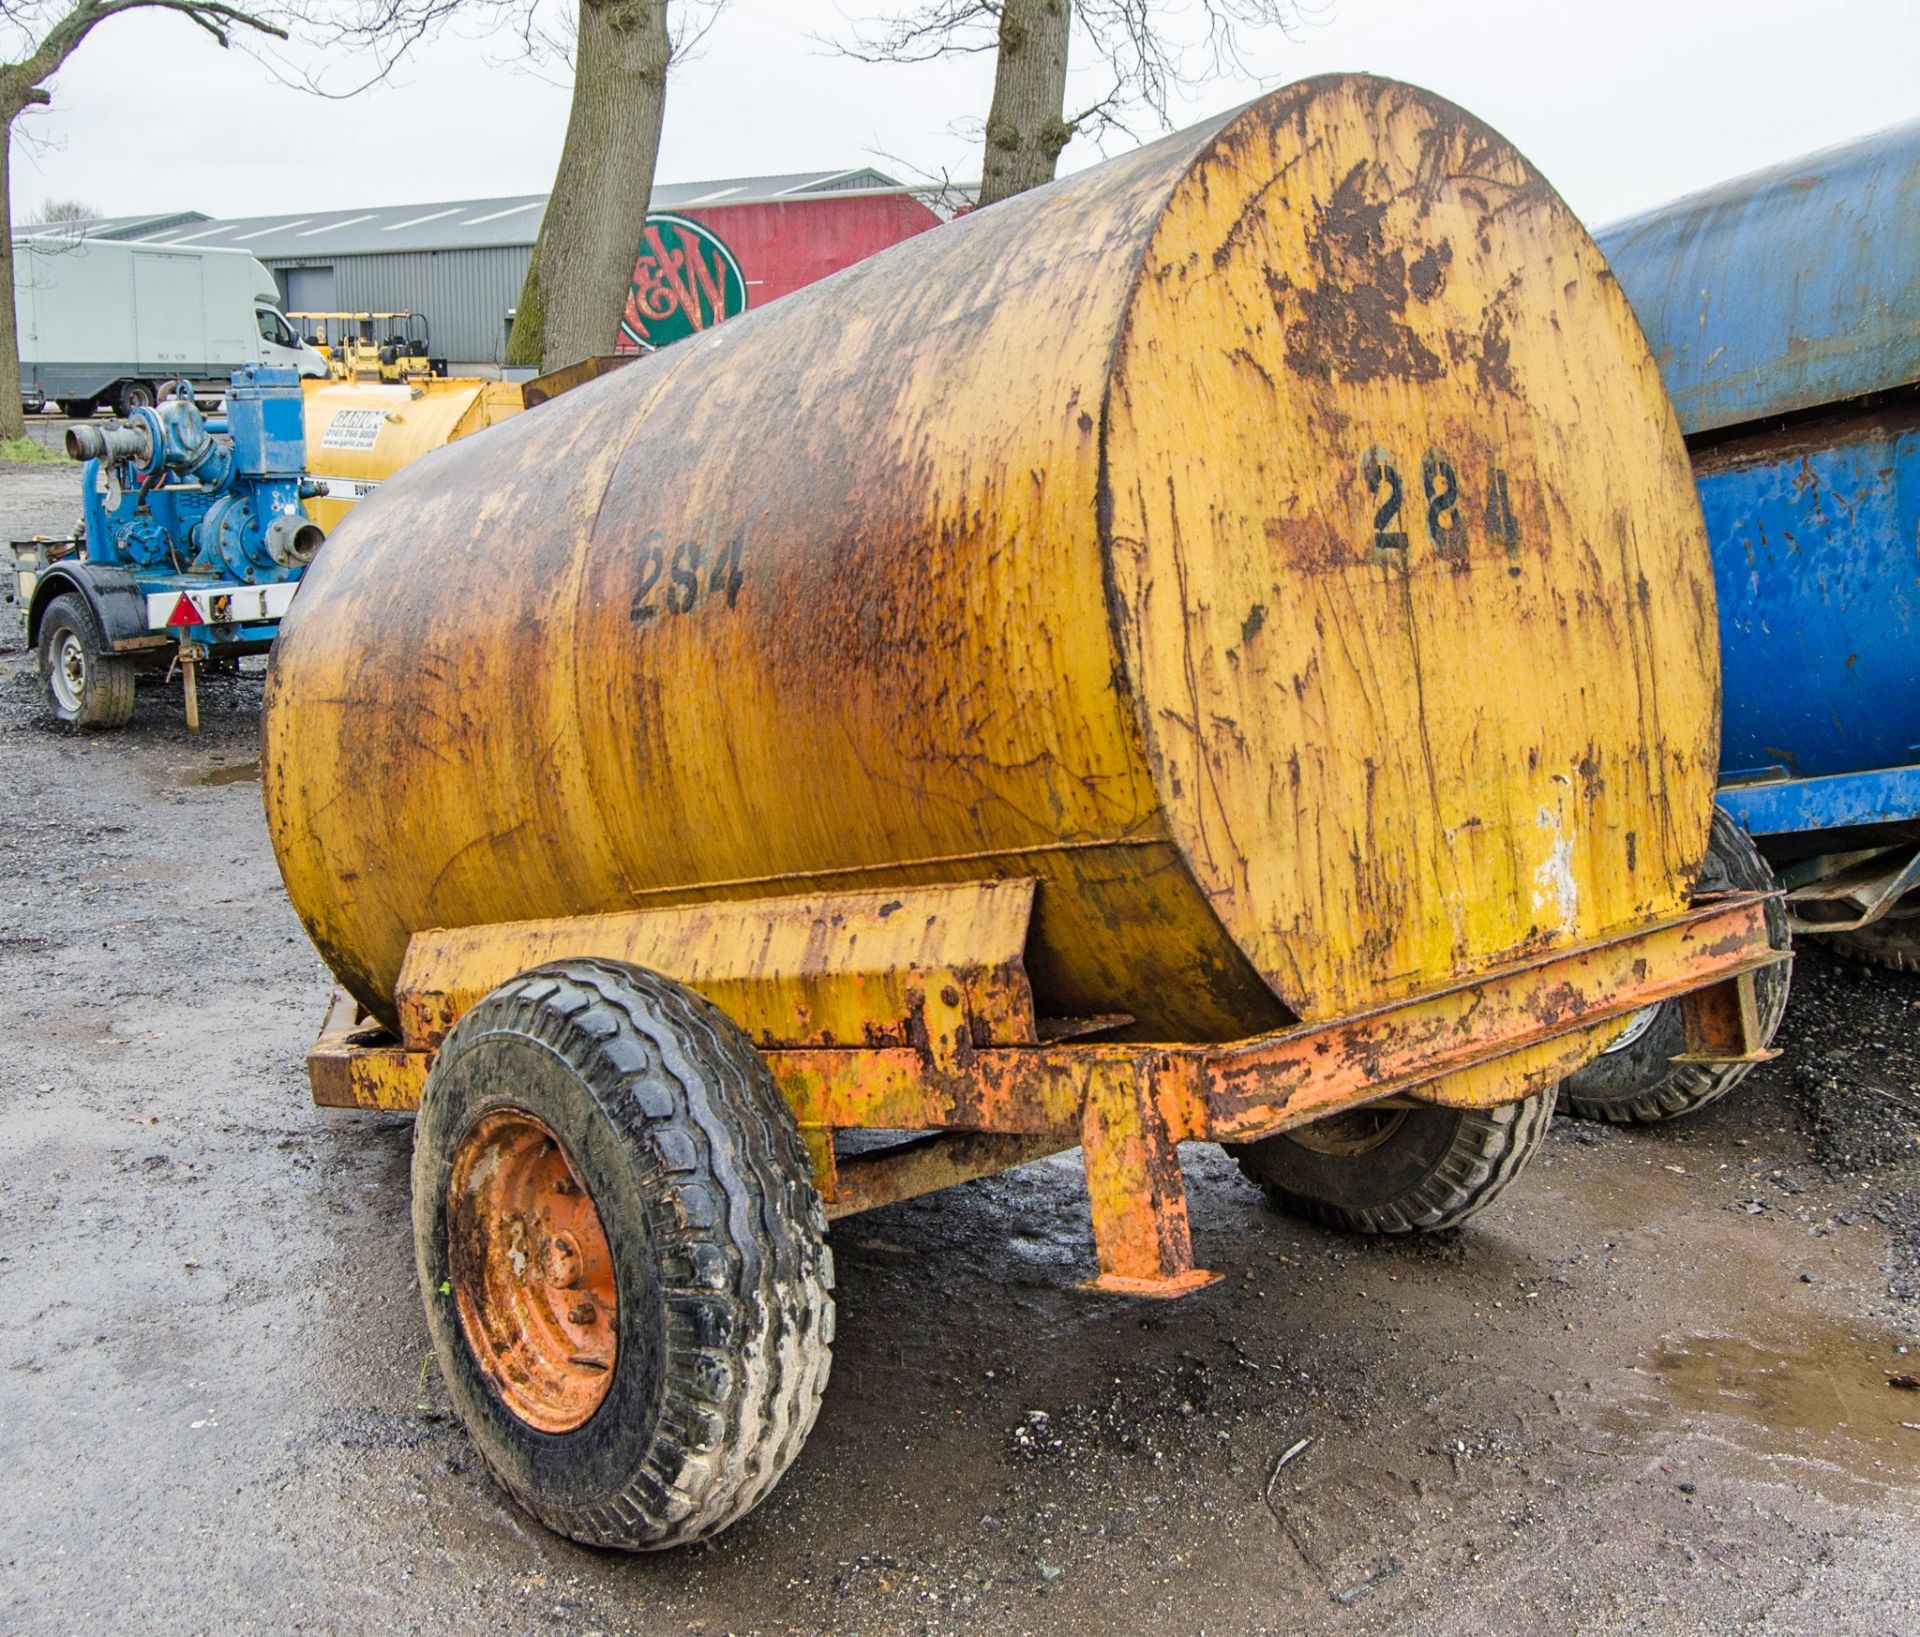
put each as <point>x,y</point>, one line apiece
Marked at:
<point>103,321</point>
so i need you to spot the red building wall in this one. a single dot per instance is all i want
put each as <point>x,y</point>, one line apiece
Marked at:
<point>787,243</point>
<point>784,243</point>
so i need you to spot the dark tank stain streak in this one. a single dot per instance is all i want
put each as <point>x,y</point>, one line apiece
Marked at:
<point>1202,757</point>
<point>1493,359</point>
<point>1420,705</point>
<point>1241,355</point>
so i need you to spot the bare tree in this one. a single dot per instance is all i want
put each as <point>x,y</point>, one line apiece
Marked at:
<point>37,37</point>
<point>620,52</point>
<point>1027,122</point>
<point>65,213</point>
<point>582,267</point>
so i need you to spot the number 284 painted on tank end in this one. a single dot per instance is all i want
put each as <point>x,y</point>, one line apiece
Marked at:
<point>1430,503</point>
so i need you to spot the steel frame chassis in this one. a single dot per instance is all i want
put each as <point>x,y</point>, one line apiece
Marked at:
<point>932,983</point>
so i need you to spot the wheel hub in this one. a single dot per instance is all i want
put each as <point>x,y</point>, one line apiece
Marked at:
<point>1352,1133</point>
<point>70,672</point>
<point>1637,1025</point>
<point>532,1272</point>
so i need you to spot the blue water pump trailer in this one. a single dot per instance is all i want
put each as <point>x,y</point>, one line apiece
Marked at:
<point>193,540</point>
<point>1784,311</point>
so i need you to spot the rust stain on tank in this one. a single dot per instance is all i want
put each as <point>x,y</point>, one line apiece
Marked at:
<point>1349,323</point>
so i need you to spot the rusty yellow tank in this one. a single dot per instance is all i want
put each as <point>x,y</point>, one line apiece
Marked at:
<point>1276,541</point>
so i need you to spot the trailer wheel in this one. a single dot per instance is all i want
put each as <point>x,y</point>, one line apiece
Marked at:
<point>77,409</point>
<point>1397,1170</point>
<point>90,687</point>
<point>1892,942</point>
<point>1635,1080</point>
<point>133,395</point>
<point>623,1258</point>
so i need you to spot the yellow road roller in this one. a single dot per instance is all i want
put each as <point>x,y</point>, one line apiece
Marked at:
<point>1219,648</point>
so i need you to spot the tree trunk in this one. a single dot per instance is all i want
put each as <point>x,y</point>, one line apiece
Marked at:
<point>582,265</point>
<point>13,421</point>
<point>1027,125</point>
<point>529,332</point>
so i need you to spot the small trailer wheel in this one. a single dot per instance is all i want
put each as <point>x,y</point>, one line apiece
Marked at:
<point>90,687</point>
<point>623,1257</point>
<point>1397,1170</point>
<point>1635,1080</point>
<point>133,395</point>
<point>1892,942</point>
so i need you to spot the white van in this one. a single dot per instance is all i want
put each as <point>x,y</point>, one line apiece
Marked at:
<point>101,321</point>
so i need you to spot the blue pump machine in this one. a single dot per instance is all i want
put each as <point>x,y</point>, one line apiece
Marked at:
<point>193,541</point>
<point>1784,310</point>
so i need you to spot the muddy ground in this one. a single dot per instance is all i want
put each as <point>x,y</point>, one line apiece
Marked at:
<point>1645,1393</point>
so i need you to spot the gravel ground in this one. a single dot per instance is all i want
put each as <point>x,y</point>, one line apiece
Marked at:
<point>1644,1393</point>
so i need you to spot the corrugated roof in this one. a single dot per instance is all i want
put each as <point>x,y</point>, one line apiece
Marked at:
<point>460,224</point>
<point>117,227</point>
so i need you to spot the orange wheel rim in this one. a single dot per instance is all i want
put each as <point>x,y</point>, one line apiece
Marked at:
<point>532,1272</point>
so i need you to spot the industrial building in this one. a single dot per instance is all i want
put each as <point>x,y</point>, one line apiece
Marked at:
<point>462,262</point>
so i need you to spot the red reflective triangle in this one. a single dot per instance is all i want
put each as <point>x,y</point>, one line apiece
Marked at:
<point>184,613</point>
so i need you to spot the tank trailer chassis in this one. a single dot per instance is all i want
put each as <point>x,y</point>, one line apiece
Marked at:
<point>909,1011</point>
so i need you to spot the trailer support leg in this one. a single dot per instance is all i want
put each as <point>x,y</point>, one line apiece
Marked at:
<point>1723,1024</point>
<point>190,677</point>
<point>1138,1197</point>
<point>820,1155</point>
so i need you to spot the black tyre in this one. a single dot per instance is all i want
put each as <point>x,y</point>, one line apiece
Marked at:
<point>1397,1170</point>
<point>133,395</point>
<point>622,1253</point>
<point>77,409</point>
<point>90,687</point>
<point>1635,1080</point>
<point>1893,941</point>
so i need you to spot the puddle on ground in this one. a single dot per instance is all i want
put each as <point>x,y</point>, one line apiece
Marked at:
<point>1821,1404</point>
<point>239,773</point>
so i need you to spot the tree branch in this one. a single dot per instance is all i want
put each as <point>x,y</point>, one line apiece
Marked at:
<point>71,29</point>
<point>941,28</point>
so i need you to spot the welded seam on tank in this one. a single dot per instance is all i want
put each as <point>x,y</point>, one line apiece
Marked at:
<point>1646,686</point>
<point>1288,101</point>
<point>894,865</point>
<point>1420,705</point>
<point>1103,484</point>
<point>1117,619</point>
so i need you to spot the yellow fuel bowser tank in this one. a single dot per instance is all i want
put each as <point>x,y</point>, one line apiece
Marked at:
<point>359,434</point>
<point>1219,647</point>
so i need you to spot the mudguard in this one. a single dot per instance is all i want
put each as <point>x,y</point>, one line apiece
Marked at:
<point>112,592</point>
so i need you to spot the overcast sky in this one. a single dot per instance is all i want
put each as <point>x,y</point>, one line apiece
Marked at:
<point>1623,103</point>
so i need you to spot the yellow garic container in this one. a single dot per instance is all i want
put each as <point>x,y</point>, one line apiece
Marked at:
<point>360,434</point>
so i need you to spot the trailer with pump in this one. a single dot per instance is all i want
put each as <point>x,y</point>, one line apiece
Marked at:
<point>196,528</point>
<point>193,538</point>
<point>1784,311</point>
<point>1167,658</point>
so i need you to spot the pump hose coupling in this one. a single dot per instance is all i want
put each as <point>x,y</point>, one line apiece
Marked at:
<point>117,441</point>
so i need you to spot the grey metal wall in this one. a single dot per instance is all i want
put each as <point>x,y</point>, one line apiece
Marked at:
<point>306,289</point>
<point>464,293</point>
